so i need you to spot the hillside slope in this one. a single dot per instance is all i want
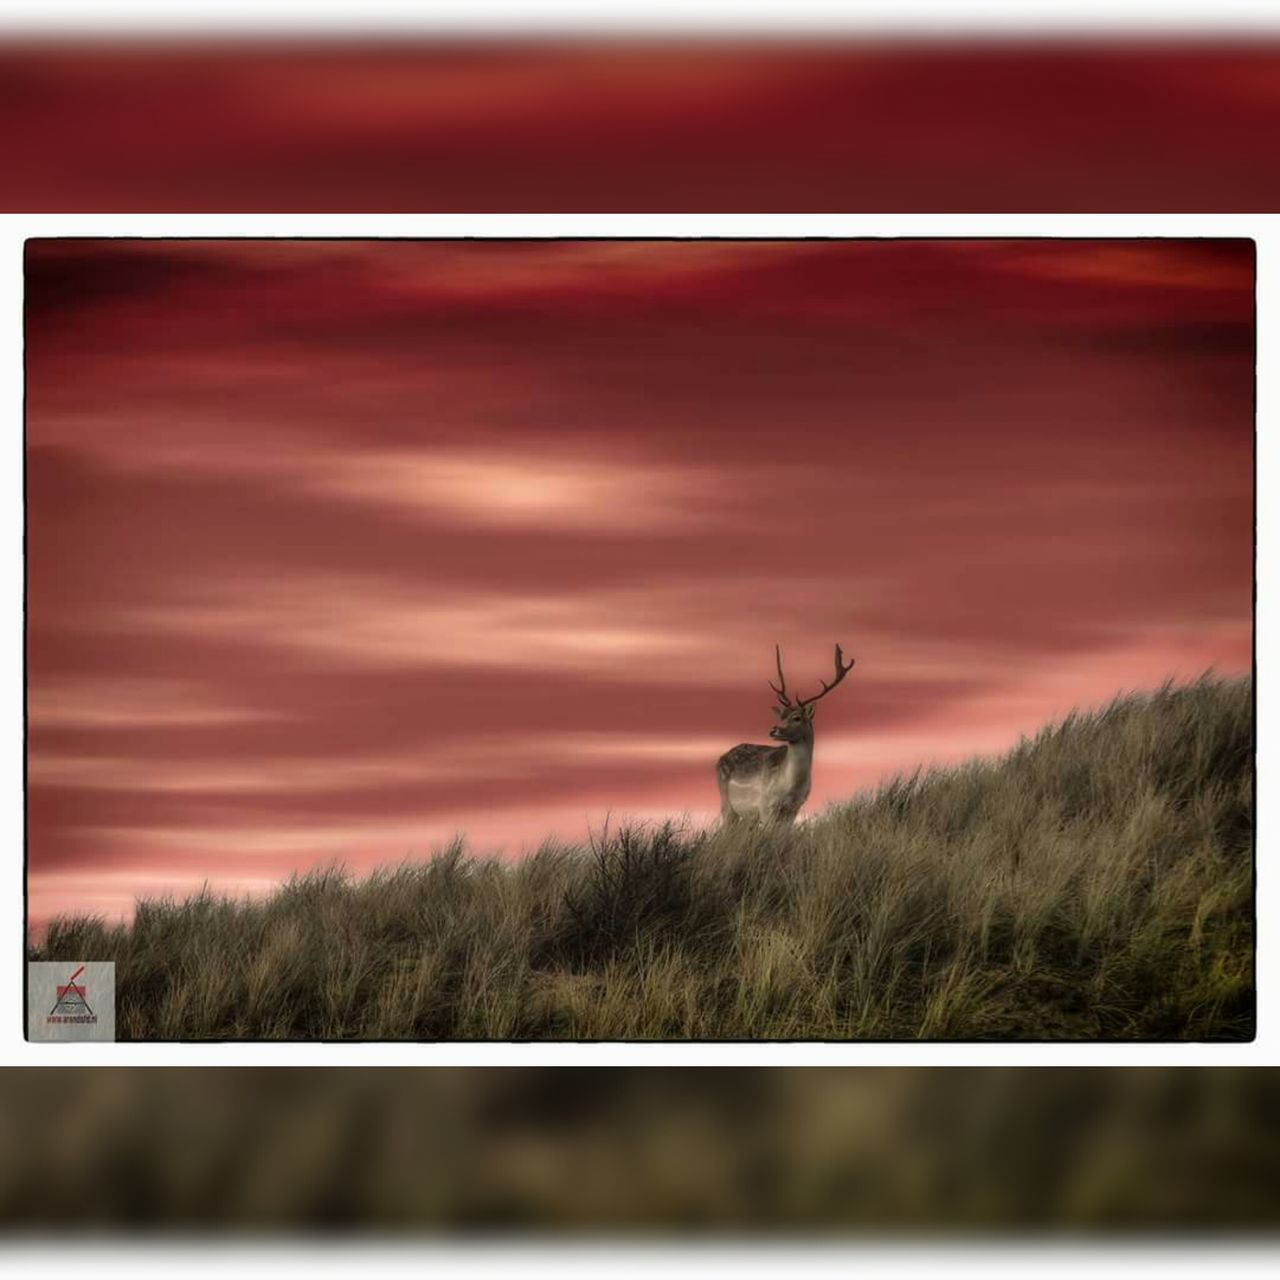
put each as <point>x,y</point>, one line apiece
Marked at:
<point>1096,882</point>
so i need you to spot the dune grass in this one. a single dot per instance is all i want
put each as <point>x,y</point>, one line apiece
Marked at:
<point>931,1155</point>
<point>1096,882</point>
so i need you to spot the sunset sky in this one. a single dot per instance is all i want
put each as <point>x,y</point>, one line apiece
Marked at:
<point>841,124</point>
<point>338,548</point>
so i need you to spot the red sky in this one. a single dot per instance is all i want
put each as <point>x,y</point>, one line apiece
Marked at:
<point>337,548</point>
<point>872,125</point>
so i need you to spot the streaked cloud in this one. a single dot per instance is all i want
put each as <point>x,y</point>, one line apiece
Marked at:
<point>96,702</point>
<point>521,491</point>
<point>354,622</point>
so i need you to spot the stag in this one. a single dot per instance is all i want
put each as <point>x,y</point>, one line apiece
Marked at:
<point>770,784</point>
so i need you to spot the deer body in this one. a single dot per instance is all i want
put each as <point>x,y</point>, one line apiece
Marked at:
<point>767,784</point>
<point>770,784</point>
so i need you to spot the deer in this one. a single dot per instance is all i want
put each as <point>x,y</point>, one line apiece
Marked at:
<point>770,784</point>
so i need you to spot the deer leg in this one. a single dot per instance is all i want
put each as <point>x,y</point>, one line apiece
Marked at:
<point>727,815</point>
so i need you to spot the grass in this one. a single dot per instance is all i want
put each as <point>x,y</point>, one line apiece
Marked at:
<point>1096,882</point>
<point>901,1153</point>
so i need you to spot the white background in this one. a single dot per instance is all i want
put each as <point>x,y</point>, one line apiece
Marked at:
<point>932,17</point>
<point>533,1262</point>
<point>623,1260</point>
<point>15,228</point>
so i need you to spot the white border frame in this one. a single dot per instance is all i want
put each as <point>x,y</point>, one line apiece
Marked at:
<point>930,18</point>
<point>16,228</point>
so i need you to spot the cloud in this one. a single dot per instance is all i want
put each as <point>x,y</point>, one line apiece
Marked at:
<point>358,622</point>
<point>1221,267</point>
<point>520,490</point>
<point>104,702</point>
<point>246,776</point>
<point>706,126</point>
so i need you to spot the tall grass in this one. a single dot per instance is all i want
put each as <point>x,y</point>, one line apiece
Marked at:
<point>1096,882</point>
<point>924,1153</point>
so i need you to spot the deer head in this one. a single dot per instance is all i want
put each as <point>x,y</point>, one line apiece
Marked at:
<point>795,718</point>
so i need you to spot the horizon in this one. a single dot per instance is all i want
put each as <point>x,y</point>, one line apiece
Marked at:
<point>685,821</point>
<point>336,548</point>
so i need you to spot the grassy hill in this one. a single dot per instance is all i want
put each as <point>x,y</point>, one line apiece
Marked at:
<point>1096,882</point>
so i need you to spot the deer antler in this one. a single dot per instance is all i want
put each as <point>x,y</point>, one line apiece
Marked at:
<point>842,670</point>
<point>781,687</point>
